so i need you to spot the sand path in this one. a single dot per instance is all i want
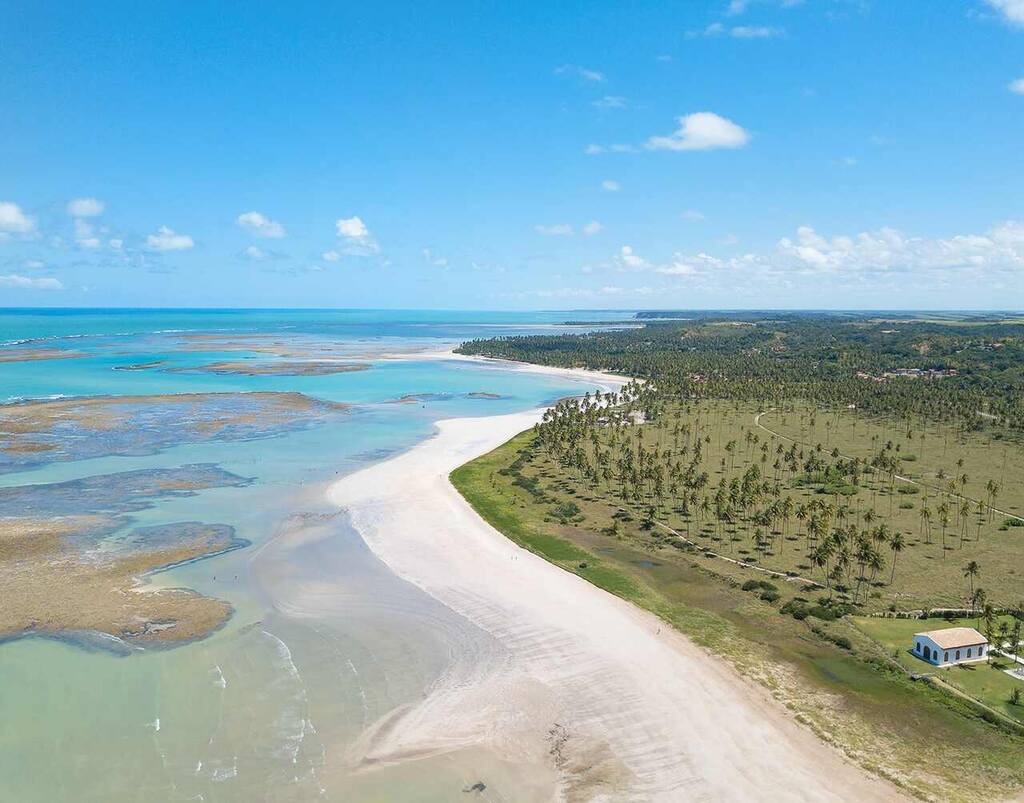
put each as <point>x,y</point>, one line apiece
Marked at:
<point>582,687</point>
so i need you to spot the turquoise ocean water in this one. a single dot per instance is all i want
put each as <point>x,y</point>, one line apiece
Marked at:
<point>323,641</point>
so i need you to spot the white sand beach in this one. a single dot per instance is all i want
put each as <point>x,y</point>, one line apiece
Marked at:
<point>594,698</point>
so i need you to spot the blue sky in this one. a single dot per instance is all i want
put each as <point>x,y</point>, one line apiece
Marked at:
<point>726,154</point>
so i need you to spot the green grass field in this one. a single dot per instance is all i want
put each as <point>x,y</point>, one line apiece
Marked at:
<point>929,575</point>
<point>929,569</point>
<point>986,682</point>
<point>837,678</point>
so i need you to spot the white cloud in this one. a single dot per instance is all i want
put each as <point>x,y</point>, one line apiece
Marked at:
<point>353,228</point>
<point>557,230</point>
<point>755,32</point>
<point>85,207</point>
<point>887,249</point>
<point>434,259</point>
<point>166,239</point>
<point>714,29</point>
<point>701,131</point>
<point>883,252</point>
<point>331,256</point>
<point>582,292</point>
<point>611,102</point>
<point>30,283</point>
<point>116,243</point>
<point>85,234</point>
<point>358,240</point>
<point>592,228</point>
<point>692,215</point>
<point>1012,10</point>
<point>1017,86</point>
<point>259,225</point>
<point>593,149</point>
<point>628,259</point>
<point>608,185</point>
<point>677,268</point>
<point>255,253</point>
<point>580,72</point>
<point>13,220</point>
<point>737,31</point>
<point>736,7</point>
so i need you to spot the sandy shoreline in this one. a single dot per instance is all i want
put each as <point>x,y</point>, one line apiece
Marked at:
<point>582,689</point>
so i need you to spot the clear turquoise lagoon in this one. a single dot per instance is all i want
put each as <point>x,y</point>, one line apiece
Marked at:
<point>323,641</point>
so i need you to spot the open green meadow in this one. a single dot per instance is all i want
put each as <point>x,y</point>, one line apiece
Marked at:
<point>986,681</point>
<point>923,525</point>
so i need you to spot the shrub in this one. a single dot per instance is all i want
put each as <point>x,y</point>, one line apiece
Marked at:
<point>566,511</point>
<point>839,641</point>
<point>769,596</point>
<point>797,608</point>
<point>1014,523</point>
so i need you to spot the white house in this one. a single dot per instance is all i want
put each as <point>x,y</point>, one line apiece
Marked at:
<point>951,646</point>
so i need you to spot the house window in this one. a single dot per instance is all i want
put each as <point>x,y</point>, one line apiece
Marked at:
<point>968,652</point>
<point>946,658</point>
<point>958,655</point>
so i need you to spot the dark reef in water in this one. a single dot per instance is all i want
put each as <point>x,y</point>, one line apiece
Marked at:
<point>113,494</point>
<point>70,561</point>
<point>34,433</point>
<point>275,368</point>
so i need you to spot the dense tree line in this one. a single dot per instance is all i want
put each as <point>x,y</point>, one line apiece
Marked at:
<point>976,378</point>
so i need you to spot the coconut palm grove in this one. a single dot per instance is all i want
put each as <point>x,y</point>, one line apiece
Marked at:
<point>809,488</point>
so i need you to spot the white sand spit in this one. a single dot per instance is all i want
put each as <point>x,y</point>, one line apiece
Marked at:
<point>595,696</point>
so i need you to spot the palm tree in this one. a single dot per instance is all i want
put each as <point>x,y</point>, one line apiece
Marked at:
<point>896,543</point>
<point>972,570</point>
<point>965,511</point>
<point>926,524</point>
<point>978,599</point>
